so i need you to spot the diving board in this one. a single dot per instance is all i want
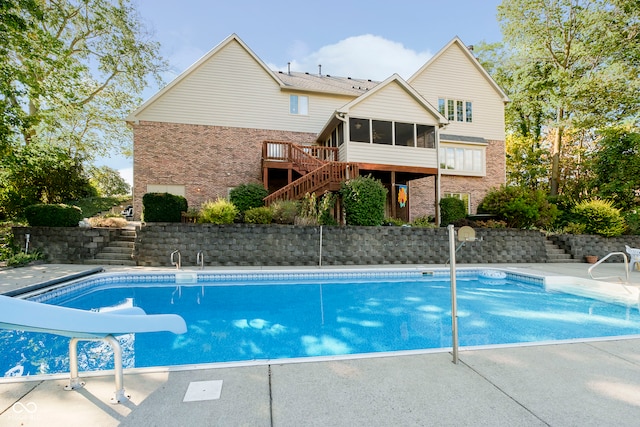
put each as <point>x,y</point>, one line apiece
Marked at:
<point>79,325</point>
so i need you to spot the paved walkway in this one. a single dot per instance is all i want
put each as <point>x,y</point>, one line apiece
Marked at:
<point>591,383</point>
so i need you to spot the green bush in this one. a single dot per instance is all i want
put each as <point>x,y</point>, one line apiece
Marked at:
<point>316,210</point>
<point>42,215</point>
<point>452,209</point>
<point>163,207</point>
<point>425,221</point>
<point>632,219</point>
<point>599,217</point>
<point>394,222</point>
<point>247,196</point>
<point>221,211</point>
<point>285,211</point>
<point>364,199</point>
<point>520,207</point>
<point>262,215</point>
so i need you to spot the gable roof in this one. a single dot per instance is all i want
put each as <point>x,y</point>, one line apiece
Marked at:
<point>395,78</point>
<point>456,41</point>
<point>325,83</point>
<point>206,57</point>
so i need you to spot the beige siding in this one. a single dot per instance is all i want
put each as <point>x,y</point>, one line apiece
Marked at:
<point>454,76</point>
<point>390,155</point>
<point>232,89</point>
<point>393,103</point>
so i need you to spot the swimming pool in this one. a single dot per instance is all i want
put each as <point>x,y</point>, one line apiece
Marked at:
<point>246,316</point>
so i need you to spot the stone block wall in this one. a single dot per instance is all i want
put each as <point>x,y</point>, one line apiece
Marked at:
<point>580,245</point>
<point>283,245</point>
<point>65,245</point>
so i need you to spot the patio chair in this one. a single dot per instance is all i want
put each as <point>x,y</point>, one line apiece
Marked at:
<point>634,256</point>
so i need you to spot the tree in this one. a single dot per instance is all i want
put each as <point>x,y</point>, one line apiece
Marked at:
<point>583,73</point>
<point>616,168</point>
<point>108,181</point>
<point>94,62</point>
<point>40,174</point>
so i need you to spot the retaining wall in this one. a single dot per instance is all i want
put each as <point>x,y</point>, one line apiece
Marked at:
<point>288,245</point>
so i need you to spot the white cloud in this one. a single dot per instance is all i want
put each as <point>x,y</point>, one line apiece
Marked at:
<point>365,57</point>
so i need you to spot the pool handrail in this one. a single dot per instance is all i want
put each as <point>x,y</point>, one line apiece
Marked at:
<point>24,315</point>
<point>626,267</point>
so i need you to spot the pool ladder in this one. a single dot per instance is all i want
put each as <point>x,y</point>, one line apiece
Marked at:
<point>626,267</point>
<point>177,263</point>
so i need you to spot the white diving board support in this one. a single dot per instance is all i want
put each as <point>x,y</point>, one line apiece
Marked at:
<point>86,325</point>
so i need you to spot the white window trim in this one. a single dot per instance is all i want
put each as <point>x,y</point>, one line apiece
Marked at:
<point>306,113</point>
<point>475,147</point>
<point>455,109</point>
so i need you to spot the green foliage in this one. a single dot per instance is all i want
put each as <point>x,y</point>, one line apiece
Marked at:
<point>80,67</point>
<point>285,211</point>
<point>316,211</point>
<point>599,217</point>
<point>632,219</point>
<point>616,168</point>
<point>261,215</point>
<point>40,174</point>
<point>19,259</point>
<point>92,206</point>
<point>108,181</point>
<point>163,207</point>
<point>426,221</point>
<point>59,215</point>
<point>519,207</point>
<point>221,211</point>
<point>452,209</point>
<point>364,200</point>
<point>247,196</point>
<point>394,222</point>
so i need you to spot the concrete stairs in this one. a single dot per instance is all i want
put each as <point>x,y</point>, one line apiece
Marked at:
<point>117,252</point>
<point>556,254</point>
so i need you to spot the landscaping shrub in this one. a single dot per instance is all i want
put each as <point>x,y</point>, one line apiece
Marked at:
<point>163,207</point>
<point>599,217</point>
<point>285,211</point>
<point>426,221</point>
<point>452,209</point>
<point>262,215</point>
<point>632,219</point>
<point>221,211</point>
<point>43,215</point>
<point>316,211</point>
<point>247,196</point>
<point>394,222</point>
<point>108,221</point>
<point>519,207</point>
<point>363,199</point>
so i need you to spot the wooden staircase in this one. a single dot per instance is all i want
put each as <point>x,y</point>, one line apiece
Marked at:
<point>317,165</point>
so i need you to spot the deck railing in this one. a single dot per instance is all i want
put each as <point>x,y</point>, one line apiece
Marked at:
<point>318,179</point>
<point>284,151</point>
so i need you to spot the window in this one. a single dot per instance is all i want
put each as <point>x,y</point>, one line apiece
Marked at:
<point>455,110</point>
<point>404,134</point>
<point>382,132</point>
<point>426,136</point>
<point>299,105</point>
<point>359,130</point>
<point>462,159</point>
<point>465,197</point>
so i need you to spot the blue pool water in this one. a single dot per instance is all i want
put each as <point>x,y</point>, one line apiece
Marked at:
<point>238,318</point>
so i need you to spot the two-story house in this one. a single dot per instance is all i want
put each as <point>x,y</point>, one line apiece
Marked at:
<point>229,120</point>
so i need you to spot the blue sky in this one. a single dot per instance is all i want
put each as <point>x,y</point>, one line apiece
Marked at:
<point>364,39</point>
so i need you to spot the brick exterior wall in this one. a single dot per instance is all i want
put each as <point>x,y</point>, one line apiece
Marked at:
<point>422,192</point>
<point>207,160</point>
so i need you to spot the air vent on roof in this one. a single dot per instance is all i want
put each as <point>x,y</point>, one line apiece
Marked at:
<point>348,78</point>
<point>368,80</point>
<point>306,73</point>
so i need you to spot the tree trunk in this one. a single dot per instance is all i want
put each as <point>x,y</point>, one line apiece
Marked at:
<point>555,155</point>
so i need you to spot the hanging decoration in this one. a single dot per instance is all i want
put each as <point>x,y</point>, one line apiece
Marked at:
<point>403,195</point>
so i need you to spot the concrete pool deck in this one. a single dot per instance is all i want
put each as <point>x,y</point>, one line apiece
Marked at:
<point>586,383</point>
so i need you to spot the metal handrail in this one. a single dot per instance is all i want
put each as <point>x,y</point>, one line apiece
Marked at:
<point>626,267</point>
<point>178,264</point>
<point>200,259</point>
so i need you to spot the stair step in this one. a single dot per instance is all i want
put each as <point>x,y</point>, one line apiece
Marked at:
<point>131,263</point>
<point>113,255</point>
